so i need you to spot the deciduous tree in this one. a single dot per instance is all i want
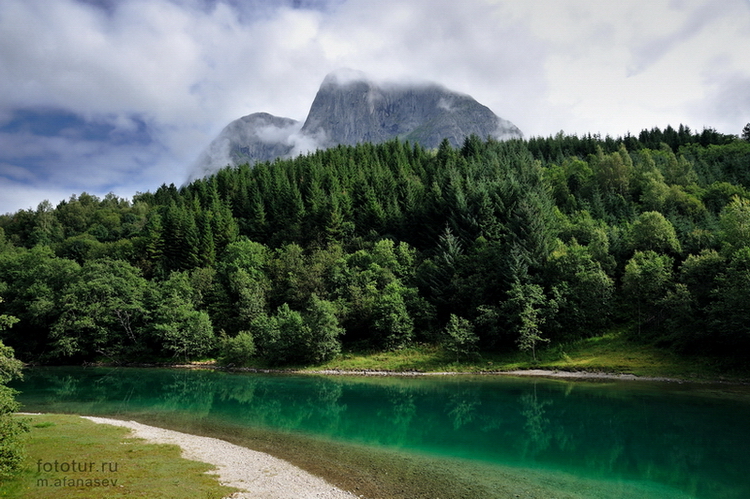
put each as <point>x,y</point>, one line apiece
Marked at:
<point>459,337</point>
<point>11,448</point>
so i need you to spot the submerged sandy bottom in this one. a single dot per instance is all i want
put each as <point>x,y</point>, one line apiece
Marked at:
<point>378,474</point>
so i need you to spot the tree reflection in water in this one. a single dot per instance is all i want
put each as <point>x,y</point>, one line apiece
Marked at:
<point>537,426</point>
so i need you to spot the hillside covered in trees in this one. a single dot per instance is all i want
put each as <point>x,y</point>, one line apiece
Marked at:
<point>488,247</point>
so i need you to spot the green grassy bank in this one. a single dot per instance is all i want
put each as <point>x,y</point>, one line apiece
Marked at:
<point>69,457</point>
<point>609,353</point>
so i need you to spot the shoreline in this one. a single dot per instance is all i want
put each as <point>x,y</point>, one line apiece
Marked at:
<point>255,473</point>
<point>540,373</point>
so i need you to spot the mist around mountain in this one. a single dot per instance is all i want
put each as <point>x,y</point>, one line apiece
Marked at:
<point>351,108</point>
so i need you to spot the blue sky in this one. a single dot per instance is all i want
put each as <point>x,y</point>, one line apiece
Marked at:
<point>124,95</point>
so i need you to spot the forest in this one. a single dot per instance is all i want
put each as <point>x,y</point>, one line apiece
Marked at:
<point>492,246</point>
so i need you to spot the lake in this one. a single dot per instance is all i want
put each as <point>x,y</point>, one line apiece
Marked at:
<point>442,436</point>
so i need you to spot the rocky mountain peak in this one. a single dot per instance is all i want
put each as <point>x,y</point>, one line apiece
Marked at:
<point>352,108</point>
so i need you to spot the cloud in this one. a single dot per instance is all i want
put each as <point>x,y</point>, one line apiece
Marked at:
<point>147,84</point>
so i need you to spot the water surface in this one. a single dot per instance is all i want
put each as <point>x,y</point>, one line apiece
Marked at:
<point>580,439</point>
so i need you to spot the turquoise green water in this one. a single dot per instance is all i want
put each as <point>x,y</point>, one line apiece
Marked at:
<point>672,440</point>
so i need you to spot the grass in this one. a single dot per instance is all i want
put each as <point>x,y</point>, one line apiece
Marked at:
<point>612,352</point>
<point>115,465</point>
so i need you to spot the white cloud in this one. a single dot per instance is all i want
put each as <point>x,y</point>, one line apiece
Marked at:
<point>186,68</point>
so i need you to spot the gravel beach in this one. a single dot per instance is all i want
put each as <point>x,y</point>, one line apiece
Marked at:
<point>260,475</point>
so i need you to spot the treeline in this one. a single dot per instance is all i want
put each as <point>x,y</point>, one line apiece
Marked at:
<point>491,246</point>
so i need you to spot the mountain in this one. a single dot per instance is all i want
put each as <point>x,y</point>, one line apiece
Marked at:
<point>350,108</point>
<point>252,138</point>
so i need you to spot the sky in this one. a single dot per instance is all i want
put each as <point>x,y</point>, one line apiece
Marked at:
<point>122,96</point>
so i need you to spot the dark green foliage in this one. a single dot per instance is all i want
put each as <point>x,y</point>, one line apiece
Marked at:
<point>34,284</point>
<point>392,325</point>
<point>291,337</point>
<point>238,350</point>
<point>103,313</point>
<point>324,328</point>
<point>647,280</point>
<point>585,291</point>
<point>377,246</point>
<point>651,231</point>
<point>735,224</point>
<point>728,320</point>
<point>178,327</point>
<point>11,449</point>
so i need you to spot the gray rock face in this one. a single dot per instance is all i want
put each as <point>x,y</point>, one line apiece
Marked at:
<point>353,110</point>
<point>252,138</point>
<point>349,109</point>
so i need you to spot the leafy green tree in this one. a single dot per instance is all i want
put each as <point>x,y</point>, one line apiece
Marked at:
<point>81,248</point>
<point>655,192</point>
<point>241,288</point>
<point>283,337</point>
<point>264,330</point>
<point>529,303</point>
<point>699,272</point>
<point>613,171</point>
<point>250,292</point>
<point>735,224</point>
<point>585,289</point>
<point>652,232</point>
<point>178,327</point>
<point>320,319</point>
<point>103,314</point>
<point>76,214</point>
<point>746,133</point>
<point>392,327</point>
<point>682,321</point>
<point>237,350</point>
<point>11,448</point>
<point>718,194</point>
<point>728,320</point>
<point>6,321</point>
<point>35,281</point>
<point>296,275</point>
<point>398,258</point>
<point>5,245</point>
<point>647,279</point>
<point>459,337</point>
<point>582,229</point>
<point>48,230</point>
<point>376,303</point>
<point>676,170</point>
<point>568,182</point>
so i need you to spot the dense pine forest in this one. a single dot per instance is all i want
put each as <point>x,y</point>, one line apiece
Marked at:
<point>489,247</point>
